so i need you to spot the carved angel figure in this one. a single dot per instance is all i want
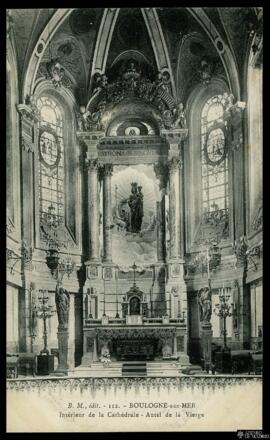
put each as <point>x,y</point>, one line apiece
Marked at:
<point>56,72</point>
<point>180,116</point>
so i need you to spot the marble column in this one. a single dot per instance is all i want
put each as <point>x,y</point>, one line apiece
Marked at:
<point>182,209</point>
<point>159,233</point>
<point>93,209</point>
<point>107,213</point>
<point>174,207</point>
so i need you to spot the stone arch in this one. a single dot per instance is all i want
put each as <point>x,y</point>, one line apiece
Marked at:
<point>222,48</point>
<point>13,144</point>
<point>102,45</point>
<point>46,35</point>
<point>104,39</point>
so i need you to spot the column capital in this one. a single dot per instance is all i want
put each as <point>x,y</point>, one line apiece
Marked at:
<point>161,171</point>
<point>175,136</point>
<point>174,164</point>
<point>28,113</point>
<point>92,165</point>
<point>90,139</point>
<point>107,169</point>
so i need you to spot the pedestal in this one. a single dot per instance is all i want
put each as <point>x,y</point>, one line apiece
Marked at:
<point>62,369</point>
<point>90,348</point>
<point>223,362</point>
<point>206,345</point>
<point>45,364</point>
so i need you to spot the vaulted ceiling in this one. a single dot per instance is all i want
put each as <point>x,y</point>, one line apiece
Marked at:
<point>180,40</point>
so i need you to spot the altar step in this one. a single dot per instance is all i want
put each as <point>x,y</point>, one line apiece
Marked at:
<point>114,369</point>
<point>134,369</point>
<point>168,369</point>
<point>118,369</point>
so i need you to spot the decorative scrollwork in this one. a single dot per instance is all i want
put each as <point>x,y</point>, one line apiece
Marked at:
<point>31,102</point>
<point>10,22</point>
<point>27,146</point>
<point>26,253</point>
<point>174,164</point>
<point>133,333</point>
<point>258,219</point>
<point>216,217</point>
<point>91,384</point>
<point>57,74</point>
<point>92,164</point>
<point>10,226</point>
<point>245,253</point>
<point>132,84</point>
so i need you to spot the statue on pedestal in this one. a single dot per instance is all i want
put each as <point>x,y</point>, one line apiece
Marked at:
<point>135,203</point>
<point>62,301</point>
<point>205,304</point>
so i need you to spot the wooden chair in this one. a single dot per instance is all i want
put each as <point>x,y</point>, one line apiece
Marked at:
<point>12,363</point>
<point>27,361</point>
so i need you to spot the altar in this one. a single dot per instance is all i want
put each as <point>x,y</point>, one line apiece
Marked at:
<point>135,349</point>
<point>134,295</point>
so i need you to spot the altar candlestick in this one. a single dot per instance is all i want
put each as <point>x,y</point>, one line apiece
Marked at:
<point>208,265</point>
<point>116,287</point>
<point>104,309</point>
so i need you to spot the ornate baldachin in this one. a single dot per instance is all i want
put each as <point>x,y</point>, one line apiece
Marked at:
<point>132,85</point>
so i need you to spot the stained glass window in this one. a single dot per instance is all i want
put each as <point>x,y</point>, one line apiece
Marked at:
<point>51,160</point>
<point>214,159</point>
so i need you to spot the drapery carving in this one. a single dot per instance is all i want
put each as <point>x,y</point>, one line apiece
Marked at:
<point>205,304</point>
<point>62,301</point>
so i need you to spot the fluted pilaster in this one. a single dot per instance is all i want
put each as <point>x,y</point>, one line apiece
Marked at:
<point>93,208</point>
<point>107,213</point>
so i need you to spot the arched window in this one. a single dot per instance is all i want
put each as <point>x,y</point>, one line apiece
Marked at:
<point>51,161</point>
<point>214,160</point>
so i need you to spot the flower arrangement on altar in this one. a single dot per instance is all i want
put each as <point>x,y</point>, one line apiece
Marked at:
<point>105,357</point>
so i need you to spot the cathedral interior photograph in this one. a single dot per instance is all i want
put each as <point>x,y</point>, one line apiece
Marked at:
<point>134,193</point>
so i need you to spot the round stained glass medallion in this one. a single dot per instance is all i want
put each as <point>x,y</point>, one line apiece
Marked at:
<point>49,148</point>
<point>215,146</point>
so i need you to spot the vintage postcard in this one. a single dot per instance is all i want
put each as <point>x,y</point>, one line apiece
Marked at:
<point>134,220</point>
